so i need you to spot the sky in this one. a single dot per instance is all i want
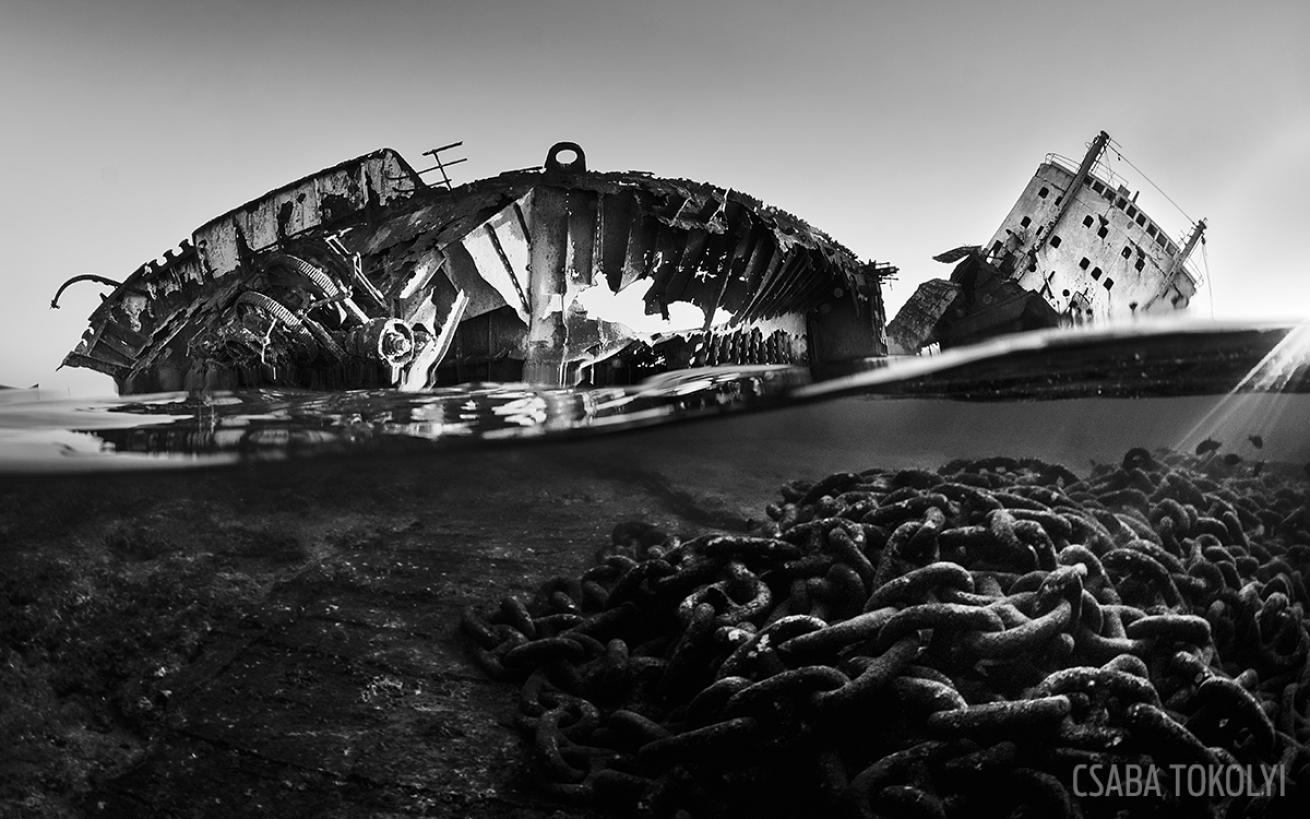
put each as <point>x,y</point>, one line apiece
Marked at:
<point>902,129</point>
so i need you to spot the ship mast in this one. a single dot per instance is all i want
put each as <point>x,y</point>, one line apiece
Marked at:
<point>1094,152</point>
<point>1176,264</point>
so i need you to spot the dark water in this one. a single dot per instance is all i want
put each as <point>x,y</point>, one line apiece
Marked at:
<point>248,602</point>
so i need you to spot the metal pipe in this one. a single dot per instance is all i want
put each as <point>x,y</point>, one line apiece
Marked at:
<point>87,277</point>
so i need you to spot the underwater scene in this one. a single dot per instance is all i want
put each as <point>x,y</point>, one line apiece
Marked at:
<point>1055,574</point>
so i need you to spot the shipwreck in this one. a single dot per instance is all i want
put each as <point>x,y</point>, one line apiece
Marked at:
<point>363,275</point>
<point>1074,250</point>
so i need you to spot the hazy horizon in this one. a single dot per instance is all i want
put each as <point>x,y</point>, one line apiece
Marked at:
<point>901,132</point>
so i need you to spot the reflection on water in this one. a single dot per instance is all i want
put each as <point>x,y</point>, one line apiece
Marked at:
<point>177,429</point>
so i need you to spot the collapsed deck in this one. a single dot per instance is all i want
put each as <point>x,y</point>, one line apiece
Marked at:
<point>362,275</point>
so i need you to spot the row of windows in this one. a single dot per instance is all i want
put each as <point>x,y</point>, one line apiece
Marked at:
<point>1103,231</point>
<point>1120,202</point>
<point>1127,252</point>
<point>1130,208</point>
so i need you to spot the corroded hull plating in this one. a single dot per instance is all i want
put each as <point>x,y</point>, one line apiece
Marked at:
<point>363,276</point>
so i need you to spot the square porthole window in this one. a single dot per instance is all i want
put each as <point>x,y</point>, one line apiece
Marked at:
<point>1096,272</point>
<point>1150,230</point>
<point>1025,221</point>
<point>1132,211</point>
<point>1108,283</point>
<point>1103,232</point>
<point>1141,220</point>
<point>1087,221</point>
<point>1041,194</point>
<point>1126,253</point>
<point>1085,263</point>
<point>1055,241</point>
<point>1141,263</point>
<point>1097,186</point>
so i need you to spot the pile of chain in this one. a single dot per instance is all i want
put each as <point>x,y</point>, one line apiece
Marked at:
<point>910,643</point>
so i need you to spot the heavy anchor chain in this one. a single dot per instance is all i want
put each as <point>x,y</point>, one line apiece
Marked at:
<point>927,643</point>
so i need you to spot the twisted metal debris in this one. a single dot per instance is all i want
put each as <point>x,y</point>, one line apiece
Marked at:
<point>510,278</point>
<point>911,643</point>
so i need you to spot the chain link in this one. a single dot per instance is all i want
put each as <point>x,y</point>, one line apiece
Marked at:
<point>911,642</point>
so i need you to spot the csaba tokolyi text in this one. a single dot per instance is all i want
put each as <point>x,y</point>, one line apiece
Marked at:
<point>1196,780</point>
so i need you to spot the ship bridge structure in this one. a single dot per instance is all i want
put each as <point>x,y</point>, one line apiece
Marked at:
<point>363,275</point>
<point>1075,249</point>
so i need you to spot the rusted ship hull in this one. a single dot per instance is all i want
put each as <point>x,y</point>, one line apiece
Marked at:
<point>364,276</point>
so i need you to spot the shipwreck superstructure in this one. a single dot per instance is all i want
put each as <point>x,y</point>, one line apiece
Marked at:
<point>1075,249</point>
<point>363,275</point>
